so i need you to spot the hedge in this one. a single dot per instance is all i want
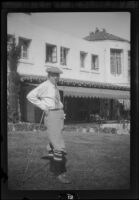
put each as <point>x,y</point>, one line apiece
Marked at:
<point>25,126</point>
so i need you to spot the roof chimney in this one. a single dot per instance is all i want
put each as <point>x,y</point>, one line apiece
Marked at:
<point>97,30</point>
<point>104,30</point>
<point>91,34</point>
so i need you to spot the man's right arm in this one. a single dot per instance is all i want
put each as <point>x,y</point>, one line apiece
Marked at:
<point>35,96</point>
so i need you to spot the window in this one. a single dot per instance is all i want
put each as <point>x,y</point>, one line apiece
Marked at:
<point>94,62</point>
<point>10,38</point>
<point>82,59</point>
<point>51,53</point>
<point>10,41</point>
<point>116,61</point>
<point>129,64</point>
<point>64,55</point>
<point>24,45</point>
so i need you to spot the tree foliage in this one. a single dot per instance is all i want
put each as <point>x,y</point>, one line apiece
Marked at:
<point>13,80</point>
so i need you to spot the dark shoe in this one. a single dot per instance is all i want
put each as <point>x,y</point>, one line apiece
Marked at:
<point>47,157</point>
<point>63,178</point>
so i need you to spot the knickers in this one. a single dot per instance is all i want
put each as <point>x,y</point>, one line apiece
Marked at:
<point>54,122</point>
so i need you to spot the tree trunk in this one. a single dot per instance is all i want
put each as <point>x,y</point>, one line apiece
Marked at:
<point>13,97</point>
<point>13,80</point>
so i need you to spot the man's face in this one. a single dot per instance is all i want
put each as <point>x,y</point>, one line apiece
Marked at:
<point>54,78</point>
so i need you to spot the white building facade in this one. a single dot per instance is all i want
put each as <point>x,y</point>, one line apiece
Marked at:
<point>98,69</point>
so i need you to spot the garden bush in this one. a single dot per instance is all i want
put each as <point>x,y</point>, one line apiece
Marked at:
<point>25,127</point>
<point>109,130</point>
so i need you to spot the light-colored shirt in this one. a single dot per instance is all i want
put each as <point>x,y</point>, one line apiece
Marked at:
<point>45,96</point>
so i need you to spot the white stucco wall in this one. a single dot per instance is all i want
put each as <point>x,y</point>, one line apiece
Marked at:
<point>24,26</point>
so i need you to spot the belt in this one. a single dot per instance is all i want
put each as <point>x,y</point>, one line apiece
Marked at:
<point>56,109</point>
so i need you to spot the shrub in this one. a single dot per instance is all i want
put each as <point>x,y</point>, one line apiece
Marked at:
<point>25,127</point>
<point>109,130</point>
<point>113,130</point>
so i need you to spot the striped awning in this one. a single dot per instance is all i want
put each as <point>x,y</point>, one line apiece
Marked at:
<point>74,83</point>
<point>94,92</point>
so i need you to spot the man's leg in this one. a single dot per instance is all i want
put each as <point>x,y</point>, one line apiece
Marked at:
<point>50,150</point>
<point>58,164</point>
<point>54,124</point>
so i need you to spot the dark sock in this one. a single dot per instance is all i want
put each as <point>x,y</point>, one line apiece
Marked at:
<point>58,167</point>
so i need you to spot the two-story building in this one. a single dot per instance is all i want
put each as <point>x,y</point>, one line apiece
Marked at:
<point>96,70</point>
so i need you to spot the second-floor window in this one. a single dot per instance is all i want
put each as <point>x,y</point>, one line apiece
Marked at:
<point>51,53</point>
<point>64,55</point>
<point>128,64</point>
<point>9,41</point>
<point>24,45</point>
<point>94,62</point>
<point>116,61</point>
<point>82,59</point>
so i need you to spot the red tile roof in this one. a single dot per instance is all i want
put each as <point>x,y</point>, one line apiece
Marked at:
<point>103,35</point>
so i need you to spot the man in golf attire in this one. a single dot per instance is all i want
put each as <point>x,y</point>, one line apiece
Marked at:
<point>46,96</point>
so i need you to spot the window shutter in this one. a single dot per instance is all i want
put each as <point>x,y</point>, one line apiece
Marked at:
<point>46,58</point>
<point>92,64</point>
<point>54,56</point>
<point>82,60</point>
<point>65,56</point>
<point>48,53</point>
<point>25,50</point>
<point>97,63</point>
<point>119,62</point>
<point>112,63</point>
<point>24,45</point>
<point>61,55</point>
<point>128,64</point>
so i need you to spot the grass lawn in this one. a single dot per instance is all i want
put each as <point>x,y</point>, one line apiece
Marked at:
<point>95,161</point>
